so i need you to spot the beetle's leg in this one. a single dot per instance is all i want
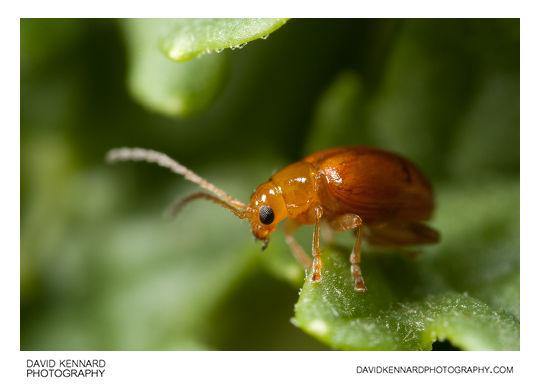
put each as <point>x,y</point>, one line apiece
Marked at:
<point>356,273</point>
<point>291,226</point>
<point>316,247</point>
<point>344,223</point>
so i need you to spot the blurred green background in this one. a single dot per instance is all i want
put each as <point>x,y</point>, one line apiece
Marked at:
<point>100,266</point>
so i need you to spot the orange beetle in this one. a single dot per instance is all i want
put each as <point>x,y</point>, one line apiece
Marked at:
<point>379,195</point>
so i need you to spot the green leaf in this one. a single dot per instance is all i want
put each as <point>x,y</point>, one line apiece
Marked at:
<point>191,86</point>
<point>480,249</point>
<point>388,317</point>
<point>188,38</point>
<point>173,89</point>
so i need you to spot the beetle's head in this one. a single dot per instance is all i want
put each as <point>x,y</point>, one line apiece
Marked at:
<point>266,209</point>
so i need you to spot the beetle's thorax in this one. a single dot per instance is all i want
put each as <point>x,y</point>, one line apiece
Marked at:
<point>297,185</point>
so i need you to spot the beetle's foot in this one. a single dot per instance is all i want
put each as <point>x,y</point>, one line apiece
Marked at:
<point>317,266</point>
<point>360,286</point>
<point>356,274</point>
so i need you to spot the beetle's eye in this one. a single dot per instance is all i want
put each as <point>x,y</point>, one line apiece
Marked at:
<point>266,215</point>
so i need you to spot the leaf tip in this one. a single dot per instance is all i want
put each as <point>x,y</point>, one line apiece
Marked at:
<point>318,327</point>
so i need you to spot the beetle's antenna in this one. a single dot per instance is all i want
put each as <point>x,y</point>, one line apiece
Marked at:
<point>242,214</point>
<point>161,159</point>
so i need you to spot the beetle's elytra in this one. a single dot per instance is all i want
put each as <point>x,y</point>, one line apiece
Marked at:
<point>379,195</point>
